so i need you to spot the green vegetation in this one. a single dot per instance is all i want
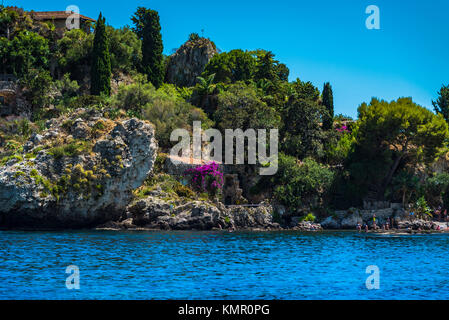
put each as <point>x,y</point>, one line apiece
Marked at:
<point>395,150</point>
<point>101,62</point>
<point>164,107</point>
<point>70,150</point>
<point>167,184</point>
<point>328,103</point>
<point>148,29</point>
<point>441,105</point>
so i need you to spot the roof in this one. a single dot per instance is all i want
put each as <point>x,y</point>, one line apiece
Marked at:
<point>56,15</point>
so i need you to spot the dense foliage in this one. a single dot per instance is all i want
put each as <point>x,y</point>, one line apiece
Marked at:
<point>148,29</point>
<point>101,62</point>
<point>395,150</point>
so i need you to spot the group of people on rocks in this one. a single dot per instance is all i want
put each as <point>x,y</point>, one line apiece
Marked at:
<point>389,224</point>
<point>438,215</point>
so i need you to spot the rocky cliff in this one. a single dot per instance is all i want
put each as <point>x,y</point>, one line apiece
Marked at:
<point>79,172</point>
<point>189,61</point>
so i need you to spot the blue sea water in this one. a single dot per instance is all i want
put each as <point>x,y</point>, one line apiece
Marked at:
<point>221,265</point>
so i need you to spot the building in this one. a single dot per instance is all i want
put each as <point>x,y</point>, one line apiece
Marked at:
<point>59,18</point>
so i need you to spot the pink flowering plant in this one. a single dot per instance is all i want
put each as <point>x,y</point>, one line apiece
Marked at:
<point>206,178</point>
<point>343,129</point>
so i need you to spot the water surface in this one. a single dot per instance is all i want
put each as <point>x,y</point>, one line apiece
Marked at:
<point>220,265</point>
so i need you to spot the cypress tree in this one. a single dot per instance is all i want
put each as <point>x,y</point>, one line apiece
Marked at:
<point>101,62</point>
<point>328,102</point>
<point>442,103</point>
<point>148,29</point>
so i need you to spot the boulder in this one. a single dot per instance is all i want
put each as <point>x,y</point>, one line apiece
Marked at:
<point>308,226</point>
<point>331,223</point>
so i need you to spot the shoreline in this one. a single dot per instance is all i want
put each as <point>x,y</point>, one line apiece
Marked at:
<point>251,230</point>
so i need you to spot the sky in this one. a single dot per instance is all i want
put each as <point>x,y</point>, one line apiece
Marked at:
<point>320,41</point>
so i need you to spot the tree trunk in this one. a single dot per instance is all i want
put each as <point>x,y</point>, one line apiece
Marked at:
<point>388,178</point>
<point>403,197</point>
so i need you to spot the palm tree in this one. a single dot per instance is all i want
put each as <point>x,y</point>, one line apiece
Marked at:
<point>205,87</point>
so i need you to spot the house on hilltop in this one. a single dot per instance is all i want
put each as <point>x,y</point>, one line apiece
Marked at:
<point>59,18</point>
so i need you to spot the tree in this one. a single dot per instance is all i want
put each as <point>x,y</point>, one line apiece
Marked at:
<point>405,184</point>
<point>298,185</point>
<point>101,62</point>
<point>442,103</point>
<point>26,51</point>
<point>164,107</point>
<point>125,49</point>
<point>305,90</point>
<point>148,29</point>
<point>391,133</point>
<point>328,103</point>
<point>14,20</point>
<point>204,88</point>
<point>302,134</point>
<point>37,84</point>
<point>266,66</point>
<point>240,107</point>
<point>229,67</point>
<point>74,53</point>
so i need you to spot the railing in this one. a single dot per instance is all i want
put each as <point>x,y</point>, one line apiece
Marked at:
<point>243,205</point>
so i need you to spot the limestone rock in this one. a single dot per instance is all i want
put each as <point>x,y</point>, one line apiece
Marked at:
<point>189,61</point>
<point>156,213</point>
<point>67,182</point>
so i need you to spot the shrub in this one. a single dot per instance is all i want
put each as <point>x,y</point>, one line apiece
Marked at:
<point>165,108</point>
<point>309,218</point>
<point>422,210</point>
<point>184,191</point>
<point>69,150</point>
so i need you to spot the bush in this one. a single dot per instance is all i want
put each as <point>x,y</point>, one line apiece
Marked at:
<point>69,150</point>
<point>299,185</point>
<point>309,218</point>
<point>184,191</point>
<point>240,107</point>
<point>164,107</point>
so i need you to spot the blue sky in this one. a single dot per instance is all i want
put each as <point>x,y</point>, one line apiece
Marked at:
<point>319,41</point>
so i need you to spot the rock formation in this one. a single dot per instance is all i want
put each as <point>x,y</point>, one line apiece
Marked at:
<point>157,212</point>
<point>189,61</point>
<point>350,218</point>
<point>79,172</point>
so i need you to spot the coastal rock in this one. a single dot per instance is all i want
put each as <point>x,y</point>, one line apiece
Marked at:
<point>68,182</point>
<point>308,226</point>
<point>418,224</point>
<point>189,61</point>
<point>350,218</point>
<point>351,221</point>
<point>156,213</point>
<point>331,223</point>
